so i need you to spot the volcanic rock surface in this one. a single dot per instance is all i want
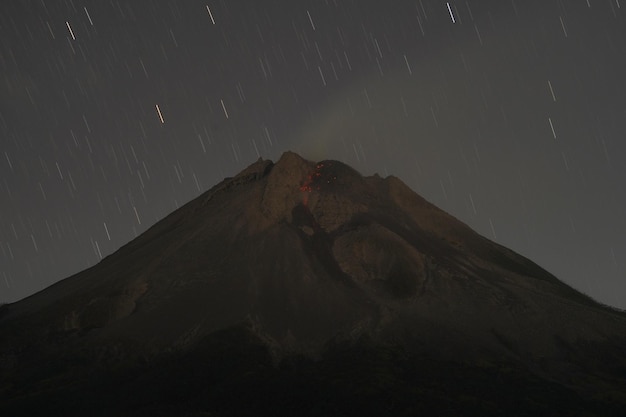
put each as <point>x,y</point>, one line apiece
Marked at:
<point>355,277</point>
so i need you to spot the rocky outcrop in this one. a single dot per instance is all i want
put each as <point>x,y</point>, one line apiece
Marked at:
<point>282,191</point>
<point>254,172</point>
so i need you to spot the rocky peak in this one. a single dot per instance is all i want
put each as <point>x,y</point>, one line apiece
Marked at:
<point>327,189</point>
<point>253,172</point>
<point>282,191</point>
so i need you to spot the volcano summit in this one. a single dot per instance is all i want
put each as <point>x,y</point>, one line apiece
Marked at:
<point>305,288</point>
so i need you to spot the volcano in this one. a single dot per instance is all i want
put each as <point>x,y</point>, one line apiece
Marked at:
<point>305,288</point>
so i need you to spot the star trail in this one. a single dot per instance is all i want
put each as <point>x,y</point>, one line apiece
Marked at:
<point>510,115</point>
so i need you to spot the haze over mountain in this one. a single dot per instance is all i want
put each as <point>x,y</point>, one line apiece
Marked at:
<point>305,287</point>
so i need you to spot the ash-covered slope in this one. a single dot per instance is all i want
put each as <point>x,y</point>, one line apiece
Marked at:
<point>303,256</point>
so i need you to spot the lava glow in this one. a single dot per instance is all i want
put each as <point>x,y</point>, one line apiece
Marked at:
<point>313,180</point>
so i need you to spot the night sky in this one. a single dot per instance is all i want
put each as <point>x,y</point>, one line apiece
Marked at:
<point>508,114</point>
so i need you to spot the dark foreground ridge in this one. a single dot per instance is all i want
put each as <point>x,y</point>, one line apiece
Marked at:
<point>304,288</point>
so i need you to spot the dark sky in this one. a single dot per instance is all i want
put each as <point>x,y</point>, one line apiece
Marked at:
<point>508,114</point>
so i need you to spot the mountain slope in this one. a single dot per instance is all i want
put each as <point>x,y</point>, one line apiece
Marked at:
<point>311,260</point>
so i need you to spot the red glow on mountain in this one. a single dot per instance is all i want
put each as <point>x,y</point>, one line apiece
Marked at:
<point>314,180</point>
